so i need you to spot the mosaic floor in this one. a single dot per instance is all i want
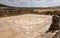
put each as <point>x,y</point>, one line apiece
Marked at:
<point>24,26</point>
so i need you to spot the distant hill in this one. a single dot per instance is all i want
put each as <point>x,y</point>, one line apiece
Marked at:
<point>3,5</point>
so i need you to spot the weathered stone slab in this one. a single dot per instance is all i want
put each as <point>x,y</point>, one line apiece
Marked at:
<point>30,25</point>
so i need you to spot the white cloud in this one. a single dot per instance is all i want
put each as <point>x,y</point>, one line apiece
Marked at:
<point>31,3</point>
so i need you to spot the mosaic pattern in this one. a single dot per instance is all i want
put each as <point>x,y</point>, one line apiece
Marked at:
<point>29,24</point>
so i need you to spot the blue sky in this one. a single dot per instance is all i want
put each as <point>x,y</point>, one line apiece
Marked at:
<point>31,3</point>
